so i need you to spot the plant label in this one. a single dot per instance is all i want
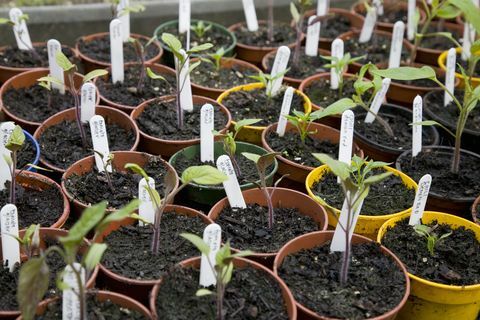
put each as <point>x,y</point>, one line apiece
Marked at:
<point>53,46</point>
<point>231,186</point>
<point>313,35</point>
<point>338,241</point>
<point>368,26</point>
<point>212,236</point>
<point>206,133</point>
<point>420,199</point>
<point>337,52</point>
<point>378,6</point>
<point>250,15</point>
<point>322,7</point>
<point>411,19</point>
<point>468,38</point>
<point>184,8</point>
<point>450,76</point>
<point>146,208</point>
<point>346,137</point>
<point>124,16</point>
<point>279,66</point>
<point>186,100</point>
<point>20,29</point>
<point>417,128</point>
<point>378,100</point>
<point>70,300</point>
<point>87,101</point>
<point>6,129</point>
<point>9,230</point>
<point>100,142</point>
<point>286,104</point>
<point>116,50</point>
<point>396,45</point>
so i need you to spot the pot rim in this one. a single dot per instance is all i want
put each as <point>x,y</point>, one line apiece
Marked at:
<point>442,58</point>
<point>474,210</point>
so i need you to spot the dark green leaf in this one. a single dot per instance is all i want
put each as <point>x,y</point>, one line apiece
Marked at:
<point>94,255</point>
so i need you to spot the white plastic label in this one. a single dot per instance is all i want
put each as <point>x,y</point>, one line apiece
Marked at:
<point>468,38</point>
<point>184,8</point>
<point>411,23</point>
<point>212,236</point>
<point>279,66</point>
<point>53,46</point>
<point>337,52</point>
<point>417,128</point>
<point>396,45</point>
<point>146,208</point>
<point>70,299</point>
<point>87,101</point>
<point>206,133</point>
<point>450,75</point>
<point>20,30</point>
<point>313,35</point>
<point>100,142</point>
<point>231,186</point>
<point>116,50</point>
<point>420,199</point>
<point>286,104</point>
<point>9,230</point>
<point>378,100</point>
<point>250,15</point>
<point>346,137</point>
<point>379,6</point>
<point>6,129</point>
<point>368,26</point>
<point>338,241</point>
<point>322,7</point>
<point>124,17</point>
<point>186,100</point>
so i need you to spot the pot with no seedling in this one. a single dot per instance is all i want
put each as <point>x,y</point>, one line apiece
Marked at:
<point>442,282</point>
<point>442,62</point>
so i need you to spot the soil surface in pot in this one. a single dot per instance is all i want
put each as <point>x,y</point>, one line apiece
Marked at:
<point>292,149</point>
<point>159,120</point>
<point>129,250</point>
<point>92,187</point>
<point>254,104</point>
<point>35,206</point>
<point>35,103</point>
<point>128,93</point>
<point>207,75</point>
<point>248,228</point>
<point>283,34</point>
<point>8,289</point>
<point>454,262</point>
<point>61,144</point>
<point>305,67</point>
<point>251,294</point>
<point>375,283</point>
<point>386,197</point>
<point>26,155</point>
<point>439,43</point>
<point>376,50</point>
<point>334,25</point>
<point>445,183</point>
<point>16,58</point>
<point>321,94</point>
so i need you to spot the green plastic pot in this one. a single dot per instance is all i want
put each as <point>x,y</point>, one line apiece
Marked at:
<point>209,195</point>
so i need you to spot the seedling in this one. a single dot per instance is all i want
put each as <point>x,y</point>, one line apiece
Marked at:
<point>355,181</point>
<point>14,144</point>
<point>134,8</point>
<point>23,18</point>
<point>298,9</point>
<point>265,79</point>
<point>106,164</point>
<point>432,238</point>
<point>201,28</point>
<point>215,58</point>
<point>340,66</point>
<point>31,240</point>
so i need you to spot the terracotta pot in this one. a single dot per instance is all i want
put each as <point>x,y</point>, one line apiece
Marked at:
<point>298,172</point>
<point>282,197</point>
<point>87,164</point>
<point>225,63</point>
<point>157,68</point>
<point>92,64</point>
<point>475,211</point>
<point>315,239</point>
<point>239,263</point>
<point>250,53</point>
<point>165,147</point>
<point>136,288</point>
<point>114,115</point>
<point>26,80</point>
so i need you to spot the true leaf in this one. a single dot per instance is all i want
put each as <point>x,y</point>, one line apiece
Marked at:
<point>340,169</point>
<point>32,285</point>
<point>406,73</point>
<point>206,175</point>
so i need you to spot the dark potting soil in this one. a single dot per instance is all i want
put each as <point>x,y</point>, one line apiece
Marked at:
<point>306,66</point>
<point>93,187</point>
<point>283,34</point>
<point>35,103</point>
<point>322,95</point>
<point>375,283</point>
<point>392,14</point>
<point>455,260</point>
<point>464,64</point>
<point>159,119</point>
<point>127,92</point>
<point>386,197</point>
<point>333,26</point>
<point>398,120</point>
<point>26,155</point>
<point>445,183</point>
<point>291,147</point>
<point>377,50</point>
<point>99,49</point>
<point>42,207</point>
<point>61,144</point>
<point>16,58</point>
<point>129,249</point>
<point>251,294</point>
<point>248,228</point>
<point>8,289</point>
<point>255,104</point>
<point>206,75</point>
<point>478,212</point>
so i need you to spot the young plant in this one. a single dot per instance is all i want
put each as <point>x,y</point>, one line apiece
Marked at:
<point>340,66</point>
<point>265,79</point>
<point>23,17</point>
<point>30,242</point>
<point>105,165</point>
<point>432,238</point>
<point>134,8</point>
<point>298,9</point>
<point>14,144</point>
<point>201,28</point>
<point>215,58</point>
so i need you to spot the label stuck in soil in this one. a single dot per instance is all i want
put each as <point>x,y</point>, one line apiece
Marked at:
<point>338,241</point>
<point>322,7</point>
<point>70,300</point>
<point>346,137</point>
<point>184,8</point>
<point>116,50</point>
<point>53,46</point>
<point>468,38</point>
<point>9,230</point>
<point>124,17</point>
<point>250,15</point>
<point>279,66</point>
<point>206,133</point>
<point>450,76</point>
<point>231,185</point>
<point>378,6</point>
<point>411,23</point>
<point>417,128</point>
<point>20,30</point>
<point>286,104</point>
<point>368,26</point>
<point>420,199</point>
<point>87,101</point>
<point>337,52</point>
<point>146,208</point>
<point>396,45</point>
<point>378,100</point>
<point>212,236</point>
<point>313,35</point>
<point>100,142</point>
<point>6,129</point>
<point>186,100</point>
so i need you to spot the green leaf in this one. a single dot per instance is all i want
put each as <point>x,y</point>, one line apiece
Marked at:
<point>475,48</point>
<point>266,160</point>
<point>406,73</point>
<point>340,169</point>
<point>337,107</point>
<point>223,255</point>
<point>94,74</point>
<point>206,175</point>
<point>137,169</point>
<point>50,80</point>
<point>32,285</point>
<point>118,215</point>
<point>362,86</point>
<point>294,12</point>
<point>197,242</point>
<point>203,292</point>
<point>443,236</point>
<point>174,44</point>
<point>469,10</point>
<point>244,253</point>
<point>448,12</point>
<point>199,48</point>
<point>422,230</point>
<point>228,272</point>
<point>153,75</point>
<point>94,255</point>
<point>251,156</point>
<point>63,61</point>
<point>192,66</point>
<point>16,139</point>
<point>377,178</point>
<point>245,122</point>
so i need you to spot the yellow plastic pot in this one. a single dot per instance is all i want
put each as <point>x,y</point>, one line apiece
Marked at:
<point>442,62</point>
<point>253,134</point>
<point>367,225</point>
<point>433,301</point>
